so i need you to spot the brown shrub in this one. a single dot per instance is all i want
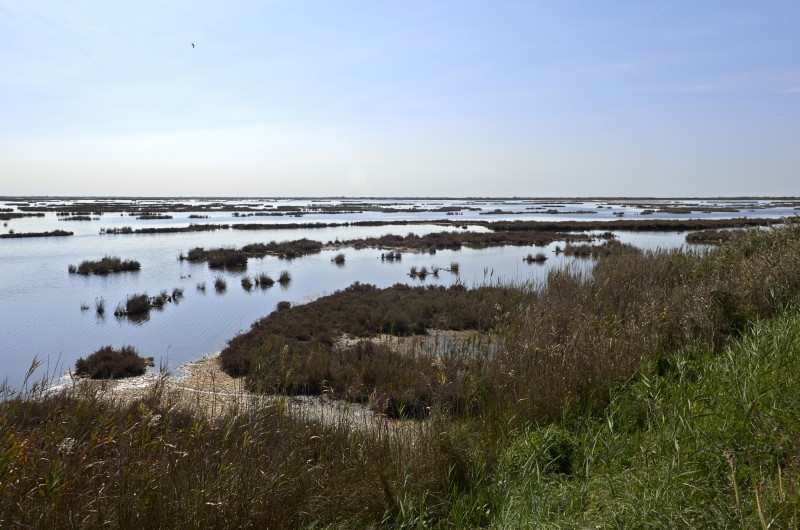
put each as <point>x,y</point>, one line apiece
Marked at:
<point>108,363</point>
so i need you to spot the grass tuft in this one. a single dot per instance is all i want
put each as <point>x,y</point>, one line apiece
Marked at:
<point>105,265</point>
<point>108,363</point>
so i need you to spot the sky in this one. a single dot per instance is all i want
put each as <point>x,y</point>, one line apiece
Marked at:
<point>387,98</point>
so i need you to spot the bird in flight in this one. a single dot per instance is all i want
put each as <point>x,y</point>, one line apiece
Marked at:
<point>192,45</point>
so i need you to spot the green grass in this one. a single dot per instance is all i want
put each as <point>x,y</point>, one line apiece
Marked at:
<point>699,440</point>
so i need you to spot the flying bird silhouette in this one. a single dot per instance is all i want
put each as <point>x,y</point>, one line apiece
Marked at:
<point>192,45</point>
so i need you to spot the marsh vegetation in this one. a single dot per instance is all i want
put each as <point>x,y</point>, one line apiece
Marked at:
<point>108,363</point>
<point>233,258</point>
<point>53,233</point>
<point>505,433</point>
<point>105,265</point>
<point>656,389</point>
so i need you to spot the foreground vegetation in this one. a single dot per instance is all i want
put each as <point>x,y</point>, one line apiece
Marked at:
<point>661,390</point>
<point>695,441</point>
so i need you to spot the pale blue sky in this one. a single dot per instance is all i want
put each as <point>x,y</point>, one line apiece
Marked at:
<point>646,97</point>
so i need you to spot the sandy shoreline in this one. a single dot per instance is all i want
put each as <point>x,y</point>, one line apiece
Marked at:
<point>203,386</point>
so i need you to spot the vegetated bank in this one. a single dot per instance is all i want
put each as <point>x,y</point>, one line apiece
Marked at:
<point>236,258</point>
<point>53,233</point>
<point>233,258</point>
<point>659,390</point>
<point>584,330</point>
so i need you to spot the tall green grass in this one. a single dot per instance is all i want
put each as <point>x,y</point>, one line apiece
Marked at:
<point>699,441</point>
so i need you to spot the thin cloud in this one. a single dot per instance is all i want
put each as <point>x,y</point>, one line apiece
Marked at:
<point>676,2</point>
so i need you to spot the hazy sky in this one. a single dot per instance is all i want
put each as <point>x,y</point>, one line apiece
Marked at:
<point>561,97</point>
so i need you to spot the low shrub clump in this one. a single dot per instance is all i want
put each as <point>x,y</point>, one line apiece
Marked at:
<point>263,280</point>
<point>105,265</point>
<point>108,363</point>
<point>540,257</point>
<point>233,258</point>
<point>284,250</point>
<point>218,258</point>
<point>135,305</point>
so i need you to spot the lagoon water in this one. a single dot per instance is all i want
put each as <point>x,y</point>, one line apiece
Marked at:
<point>40,302</point>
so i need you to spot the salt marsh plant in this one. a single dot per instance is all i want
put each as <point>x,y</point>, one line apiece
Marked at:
<point>284,278</point>
<point>247,283</point>
<point>455,268</point>
<point>100,306</point>
<point>160,300</point>
<point>540,257</point>
<point>108,363</point>
<point>338,259</point>
<point>105,265</point>
<point>263,280</point>
<point>220,285</point>
<point>201,287</point>
<point>135,305</point>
